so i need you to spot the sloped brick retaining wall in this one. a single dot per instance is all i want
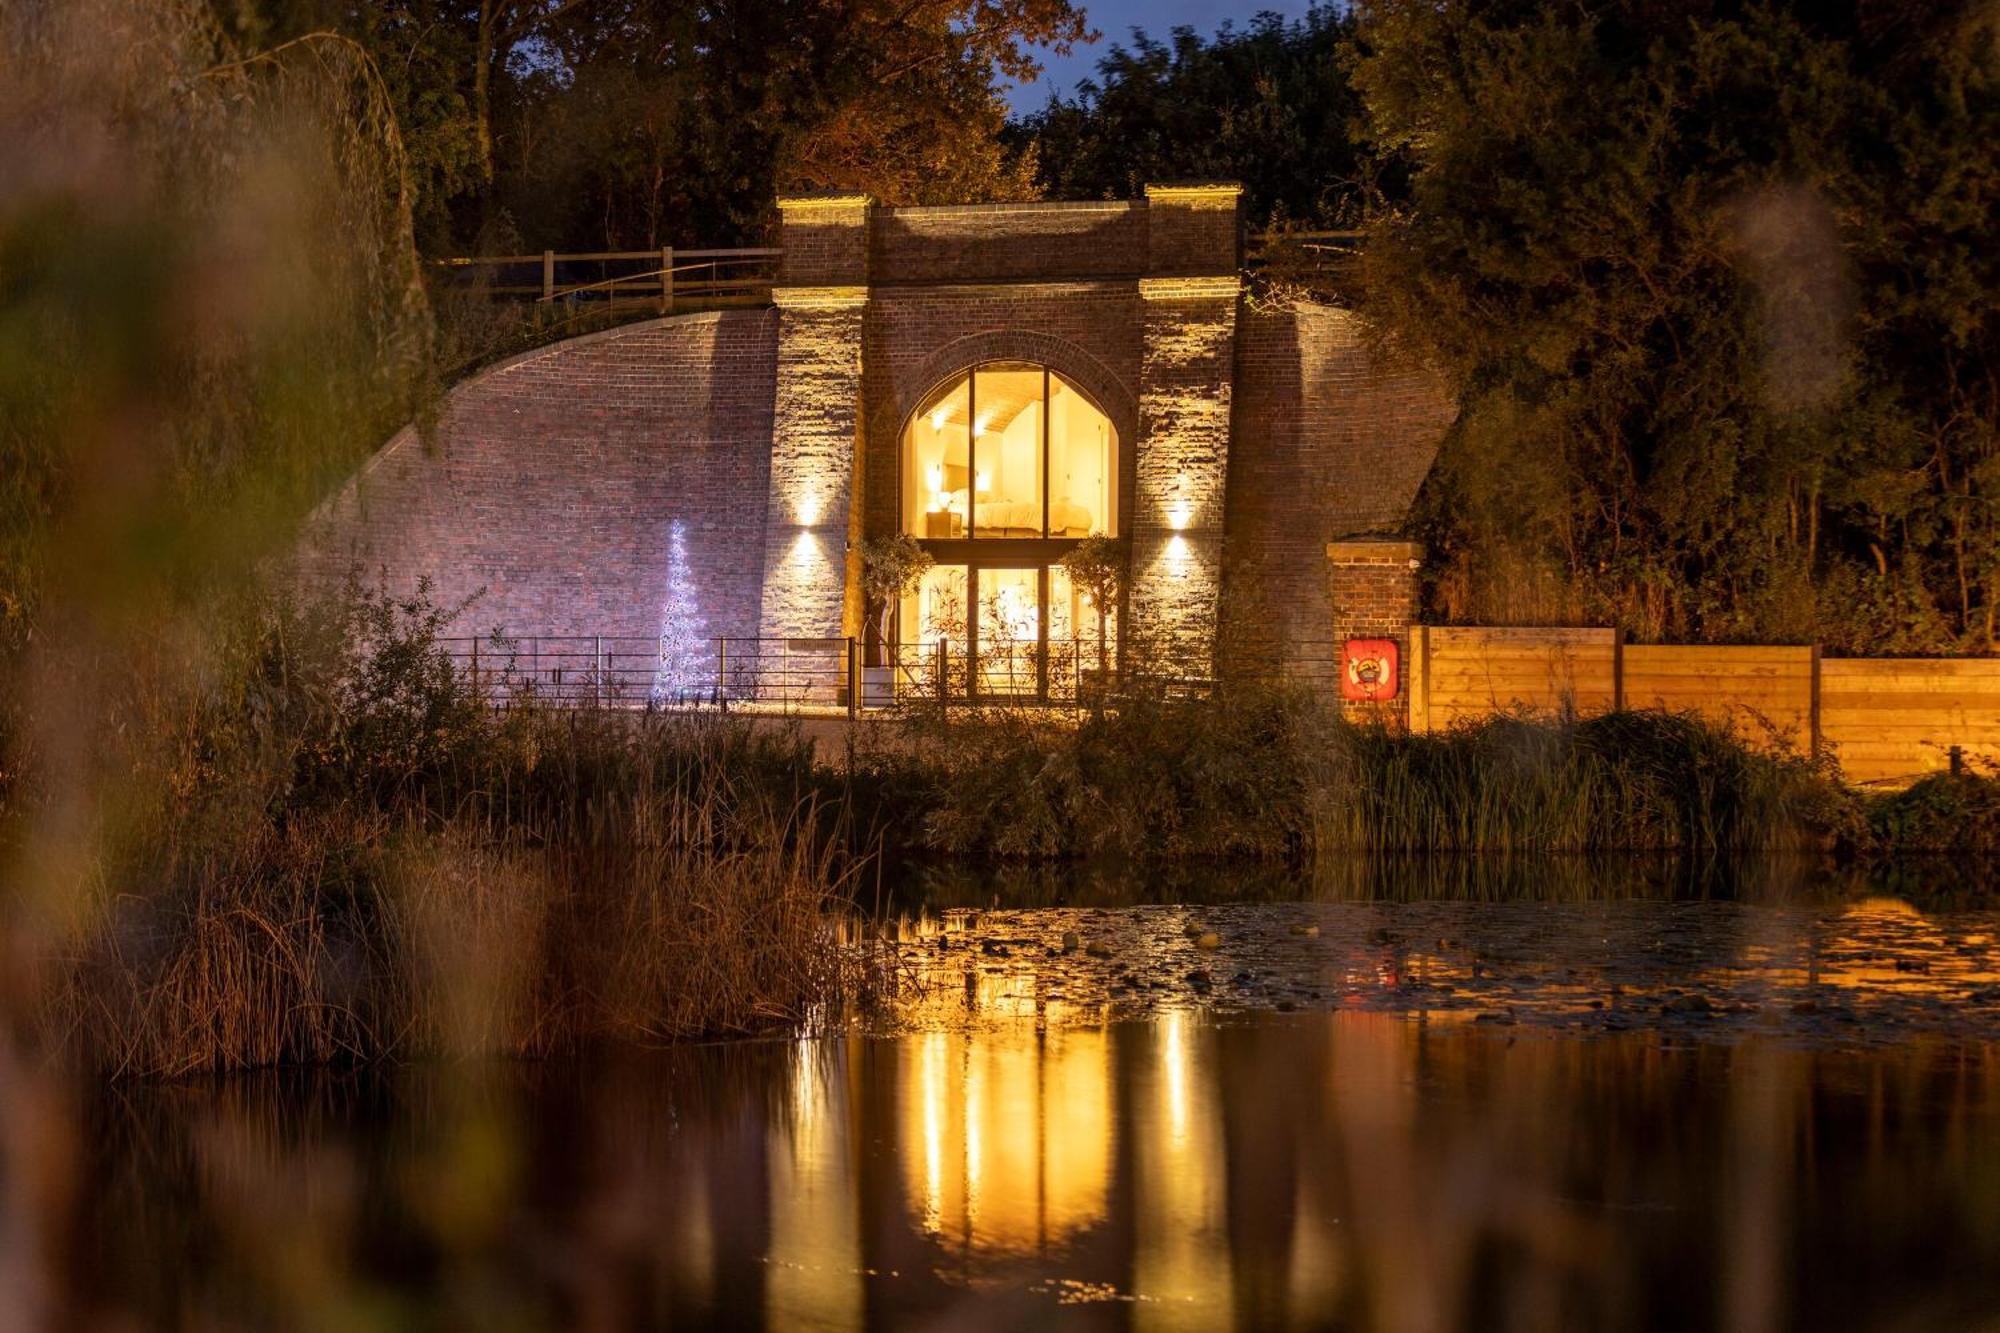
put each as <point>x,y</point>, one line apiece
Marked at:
<point>551,483</point>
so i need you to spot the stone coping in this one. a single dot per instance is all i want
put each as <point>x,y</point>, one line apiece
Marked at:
<point>1375,551</point>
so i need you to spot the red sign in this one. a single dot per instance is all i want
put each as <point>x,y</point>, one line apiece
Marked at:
<point>1368,669</point>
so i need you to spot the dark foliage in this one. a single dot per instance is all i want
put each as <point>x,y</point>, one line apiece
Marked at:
<point>1270,105</point>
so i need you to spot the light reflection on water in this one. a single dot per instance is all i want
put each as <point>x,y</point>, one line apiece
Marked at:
<point>1313,1170</point>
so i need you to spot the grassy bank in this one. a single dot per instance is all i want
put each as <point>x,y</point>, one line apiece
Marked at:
<point>332,850</point>
<point>331,853</point>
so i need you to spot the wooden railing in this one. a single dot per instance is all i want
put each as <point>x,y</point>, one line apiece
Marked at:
<point>667,279</point>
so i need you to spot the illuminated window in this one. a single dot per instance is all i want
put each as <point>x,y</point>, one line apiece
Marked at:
<point>1009,451</point>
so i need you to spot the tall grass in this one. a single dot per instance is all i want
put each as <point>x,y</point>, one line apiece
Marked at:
<point>1281,774</point>
<point>347,855</point>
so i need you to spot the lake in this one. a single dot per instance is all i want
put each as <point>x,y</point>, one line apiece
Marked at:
<point>1638,1111</point>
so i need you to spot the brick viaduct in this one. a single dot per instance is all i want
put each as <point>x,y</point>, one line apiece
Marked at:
<point>1267,458</point>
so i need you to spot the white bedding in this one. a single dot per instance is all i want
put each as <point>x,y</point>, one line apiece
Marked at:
<point>1022,518</point>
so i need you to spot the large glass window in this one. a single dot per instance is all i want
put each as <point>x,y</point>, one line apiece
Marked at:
<point>1009,451</point>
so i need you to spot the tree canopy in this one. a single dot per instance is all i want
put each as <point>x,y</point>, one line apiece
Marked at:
<point>577,124</point>
<point>1715,284</point>
<point>1271,105</point>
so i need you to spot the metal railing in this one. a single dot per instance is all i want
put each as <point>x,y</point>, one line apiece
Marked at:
<point>835,675</point>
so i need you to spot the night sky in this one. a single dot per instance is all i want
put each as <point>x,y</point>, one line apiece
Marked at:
<point>1116,19</point>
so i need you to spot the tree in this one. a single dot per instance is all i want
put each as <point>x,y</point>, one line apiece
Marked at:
<point>1716,286</point>
<point>1097,566</point>
<point>1270,105</point>
<point>623,124</point>
<point>891,568</point>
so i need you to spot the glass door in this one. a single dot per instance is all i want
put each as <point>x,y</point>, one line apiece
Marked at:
<point>1009,633</point>
<point>935,638</point>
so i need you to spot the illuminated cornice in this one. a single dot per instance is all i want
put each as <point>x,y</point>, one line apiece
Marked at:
<point>807,204</point>
<point>1196,194</point>
<point>819,298</point>
<point>1190,288</point>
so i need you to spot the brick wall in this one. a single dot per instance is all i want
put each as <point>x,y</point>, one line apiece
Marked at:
<point>997,241</point>
<point>815,421</point>
<point>551,482</point>
<point>1328,442</point>
<point>1178,509</point>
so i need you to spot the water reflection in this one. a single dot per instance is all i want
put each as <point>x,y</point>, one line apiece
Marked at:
<point>1490,877</point>
<point>1323,1170</point>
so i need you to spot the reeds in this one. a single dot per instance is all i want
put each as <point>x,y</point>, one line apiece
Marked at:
<point>346,855</point>
<point>1281,774</point>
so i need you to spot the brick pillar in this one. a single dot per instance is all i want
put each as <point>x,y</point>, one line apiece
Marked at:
<point>816,422</point>
<point>1186,367</point>
<point>1373,583</point>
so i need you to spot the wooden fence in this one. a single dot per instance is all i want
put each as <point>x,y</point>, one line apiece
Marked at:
<point>669,279</point>
<point>666,279</point>
<point>1885,720</point>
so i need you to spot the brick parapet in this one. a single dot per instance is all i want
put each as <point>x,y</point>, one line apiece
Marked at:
<point>1192,229</point>
<point>825,239</point>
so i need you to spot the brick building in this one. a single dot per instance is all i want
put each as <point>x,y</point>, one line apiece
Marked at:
<point>999,381</point>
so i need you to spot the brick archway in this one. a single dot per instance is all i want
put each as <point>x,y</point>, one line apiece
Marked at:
<point>1112,396</point>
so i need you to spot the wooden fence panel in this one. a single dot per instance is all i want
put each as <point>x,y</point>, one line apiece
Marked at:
<point>1886,720</point>
<point>1896,719</point>
<point>1765,694</point>
<point>1468,672</point>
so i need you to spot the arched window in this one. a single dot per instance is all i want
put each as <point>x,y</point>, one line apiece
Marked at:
<point>1009,451</point>
<point>1005,468</point>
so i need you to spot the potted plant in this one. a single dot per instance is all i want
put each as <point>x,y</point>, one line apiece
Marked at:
<point>1096,566</point>
<point>891,568</point>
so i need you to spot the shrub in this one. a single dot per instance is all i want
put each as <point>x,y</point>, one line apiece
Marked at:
<point>1278,773</point>
<point>1946,812</point>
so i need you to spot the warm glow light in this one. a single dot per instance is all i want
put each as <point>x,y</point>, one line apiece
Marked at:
<point>1179,515</point>
<point>979,426</point>
<point>937,476</point>
<point>1177,547</point>
<point>937,417</point>
<point>984,482</point>
<point>1174,1075</point>
<point>808,510</point>
<point>804,548</point>
<point>931,1064</point>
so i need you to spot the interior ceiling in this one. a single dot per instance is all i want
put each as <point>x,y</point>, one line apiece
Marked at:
<point>1003,395</point>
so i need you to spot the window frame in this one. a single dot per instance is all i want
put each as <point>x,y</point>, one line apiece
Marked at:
<point>1108,520</point>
